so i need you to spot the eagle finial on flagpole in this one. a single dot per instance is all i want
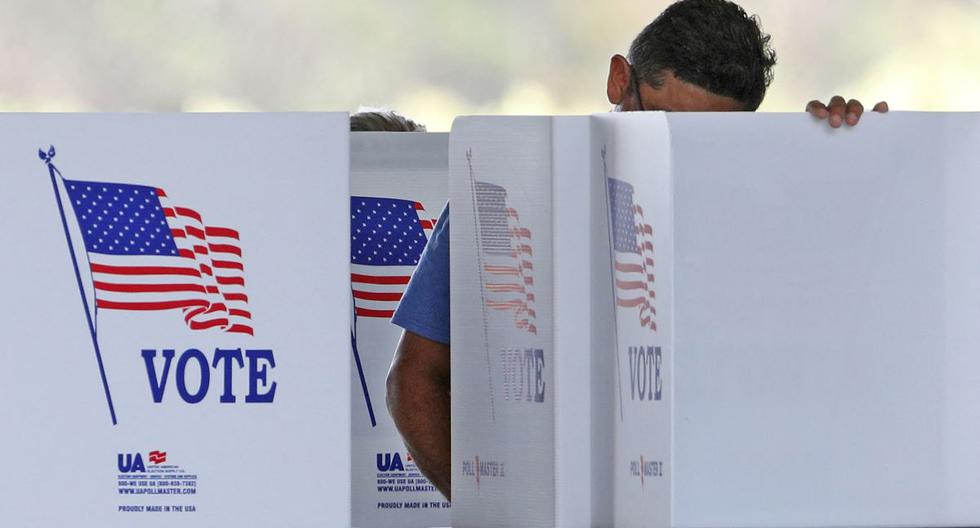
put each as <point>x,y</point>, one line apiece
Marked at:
<point>46,157</point>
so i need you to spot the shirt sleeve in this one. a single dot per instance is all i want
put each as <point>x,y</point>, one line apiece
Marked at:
<point>424,308</point>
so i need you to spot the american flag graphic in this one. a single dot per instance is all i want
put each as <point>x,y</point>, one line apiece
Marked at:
<point>507,256</point>
<point>633,249</point>
<point>147,254</point>
<point>387,237</point>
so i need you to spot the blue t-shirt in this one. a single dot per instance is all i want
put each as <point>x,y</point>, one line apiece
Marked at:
<point>424,308</point>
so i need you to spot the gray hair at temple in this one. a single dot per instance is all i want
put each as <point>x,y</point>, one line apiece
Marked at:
<point>383,121</point>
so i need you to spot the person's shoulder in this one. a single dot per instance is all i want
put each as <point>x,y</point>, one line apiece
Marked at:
<point>424,307</point>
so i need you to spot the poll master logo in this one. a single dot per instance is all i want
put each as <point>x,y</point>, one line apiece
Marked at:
<point>482,469</point>
<point>645,469</point>
<point>142,254</point>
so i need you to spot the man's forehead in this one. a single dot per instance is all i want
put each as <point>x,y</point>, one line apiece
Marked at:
<point>677,95</point>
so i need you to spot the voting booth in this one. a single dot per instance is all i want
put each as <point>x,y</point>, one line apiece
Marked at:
<point>398,188</point>
<point>663,320</point>
<point>176,320</point>
<point>782,321</point>
<point>520,333</point>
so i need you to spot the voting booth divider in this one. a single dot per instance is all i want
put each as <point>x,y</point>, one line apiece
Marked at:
<point>398,188</point>
<point>667,320</point>
<point>175,290</point>
<point>518,458</point>
<point>728,320</point>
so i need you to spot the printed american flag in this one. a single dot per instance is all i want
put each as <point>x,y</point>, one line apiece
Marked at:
<point>633,249</point>
<point>387,237</point>
<point>146,254</point>
<point>507,256</point>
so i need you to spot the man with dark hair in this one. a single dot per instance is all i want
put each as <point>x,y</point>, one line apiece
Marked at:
<point>698,55</point>
<point>709,45</point>
<point>383,121</point>
<point>706,56</point>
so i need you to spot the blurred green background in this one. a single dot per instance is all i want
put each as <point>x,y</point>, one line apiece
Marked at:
<point>435,59</point>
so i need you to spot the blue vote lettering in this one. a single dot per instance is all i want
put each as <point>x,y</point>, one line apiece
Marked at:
<point>646,381</point>
<point>224,361</point>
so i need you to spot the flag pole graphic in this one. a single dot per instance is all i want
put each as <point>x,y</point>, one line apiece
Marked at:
<point>612,271</point>
<point>47,158</point>
<point>483,300</point>
<point>357,360</point>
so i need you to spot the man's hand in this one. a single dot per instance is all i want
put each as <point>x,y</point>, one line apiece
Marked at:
<point>418,400</point>
<point>840,111</point>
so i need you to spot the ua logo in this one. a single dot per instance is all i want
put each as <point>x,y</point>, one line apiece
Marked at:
<point>389,462</point>
<point>129,463</point>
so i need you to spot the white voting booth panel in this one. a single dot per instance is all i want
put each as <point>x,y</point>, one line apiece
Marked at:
<point>819,361</point>
<point>632,300</point>
<point>398,181</point>
<point>783,324</point>
<point>520,414</point>
<point>175,295</point>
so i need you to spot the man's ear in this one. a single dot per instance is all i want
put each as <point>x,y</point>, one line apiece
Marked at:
<point>617,86</point>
